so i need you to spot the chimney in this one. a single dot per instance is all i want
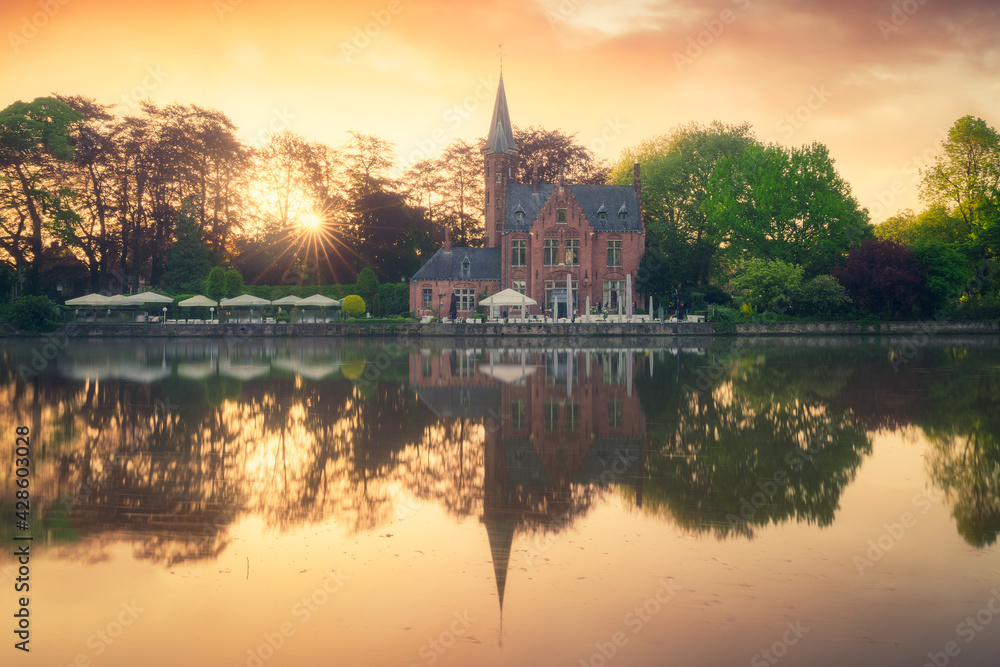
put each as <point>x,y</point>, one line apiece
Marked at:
<point>534,178</point>
<point>447,239</point>
<point>636,182</point>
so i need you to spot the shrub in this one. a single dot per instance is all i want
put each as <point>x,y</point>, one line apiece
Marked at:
<point>353,306</point>
<point>822,297</point>
<point>725,319</point>
<point>768,285</point>
<point>32,314</point>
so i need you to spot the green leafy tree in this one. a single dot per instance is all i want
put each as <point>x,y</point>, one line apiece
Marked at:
<point>189,258</point>
<point>215,284</point>
<point>966,177</point>
<point>786,204</point>
<point>936,224</point>
<point>234,283</point>
<point>675,171</point>
<point>353,306</point>
<point>768,284</point>
<point>946,272</point>
<point>34,141</point>
<point>822,297</point>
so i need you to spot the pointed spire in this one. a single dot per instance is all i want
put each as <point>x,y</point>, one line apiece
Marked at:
<point>500,531</point>
<point>501,139</point>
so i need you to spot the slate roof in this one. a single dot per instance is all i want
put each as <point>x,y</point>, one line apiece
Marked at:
<point>590,198</point>
<point>484,264</point>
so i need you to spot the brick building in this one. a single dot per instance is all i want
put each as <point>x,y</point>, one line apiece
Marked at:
<point>542,239</point>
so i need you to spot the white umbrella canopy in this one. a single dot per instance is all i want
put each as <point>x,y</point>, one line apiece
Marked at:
<point>88,300</point>
<point>289,300</point>
<point>508,298</point>
<point>318,300</point>
<point>244,300</point>
<point>198,301</point>
<point>147,297</point>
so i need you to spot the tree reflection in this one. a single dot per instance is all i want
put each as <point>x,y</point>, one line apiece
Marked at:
<point>764,443</point>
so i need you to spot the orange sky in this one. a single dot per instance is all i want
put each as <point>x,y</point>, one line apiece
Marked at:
<point>614,73</point>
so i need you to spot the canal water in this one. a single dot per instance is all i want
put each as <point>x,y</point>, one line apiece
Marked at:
<point>523,502</point>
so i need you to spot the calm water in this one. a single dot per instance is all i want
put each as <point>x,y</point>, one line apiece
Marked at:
<point>307,502</point>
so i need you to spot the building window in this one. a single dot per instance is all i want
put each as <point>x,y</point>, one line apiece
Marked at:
<point>612,288</point>
<point>466,298</point>
<point>551,416</point>
<point>572,252</point>
<point>466,267</point>
<point>426,364</point>
<point>614,253</point>
<point>427,298</point>
<point>615,413</point>
<point>519,216</point>
<point>499,177</point>
<point>518,286</point>
<point>518,413</point>
<point>572,415</point>
<point>623,216</point>
<point>560,215</point>
<point>518,252</point>
<point>602,216</point>
<point>498,202</point>
<point>551,252</point>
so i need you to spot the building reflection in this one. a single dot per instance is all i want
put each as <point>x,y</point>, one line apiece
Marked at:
<point>560,426</point>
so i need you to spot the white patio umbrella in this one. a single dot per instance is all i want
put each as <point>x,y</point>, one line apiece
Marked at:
<point>319,300</point>
<point>146,297</point>
<point>508,298</point>
<point>289,300</point>
<point>88,300</point>
<point>196,301</point>
<point>245,301</point>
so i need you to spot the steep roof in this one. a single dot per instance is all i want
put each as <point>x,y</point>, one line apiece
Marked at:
<point>591,199</point>
<point>501,139</point>
<point>484,264</point>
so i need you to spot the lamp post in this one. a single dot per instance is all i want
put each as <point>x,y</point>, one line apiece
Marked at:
<point>440,304</point>
<point>164,314</point>
<point>211,310</point>
<point>107,316</point>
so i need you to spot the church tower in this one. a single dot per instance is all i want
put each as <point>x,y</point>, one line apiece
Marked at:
<point>500,157</point>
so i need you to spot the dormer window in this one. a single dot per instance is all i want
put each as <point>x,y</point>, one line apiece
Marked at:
<point>519,214</point>
<point>602,214</point>
<point>623,213</point>
<point>466,267</point>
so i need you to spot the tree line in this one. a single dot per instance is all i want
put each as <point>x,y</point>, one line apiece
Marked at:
<point>160,196</point>
<point>731,220</point>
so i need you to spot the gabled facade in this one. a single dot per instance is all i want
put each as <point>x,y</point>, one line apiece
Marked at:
<point>558,243</point>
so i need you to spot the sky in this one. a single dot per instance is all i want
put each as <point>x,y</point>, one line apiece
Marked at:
<point>878,82</point>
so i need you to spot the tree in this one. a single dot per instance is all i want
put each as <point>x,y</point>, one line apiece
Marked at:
<point>189,259</point>
<point>966,176</point>
<point>234,283</point>
<point>215,284</point>
<point>936,224</point>
<point>675,170</point>
<point>768,284</point>
<point>882,277</point>
<point>785,204</point>
<point>946,272</point>
<point>34,148</point>
<point>552,151</point>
